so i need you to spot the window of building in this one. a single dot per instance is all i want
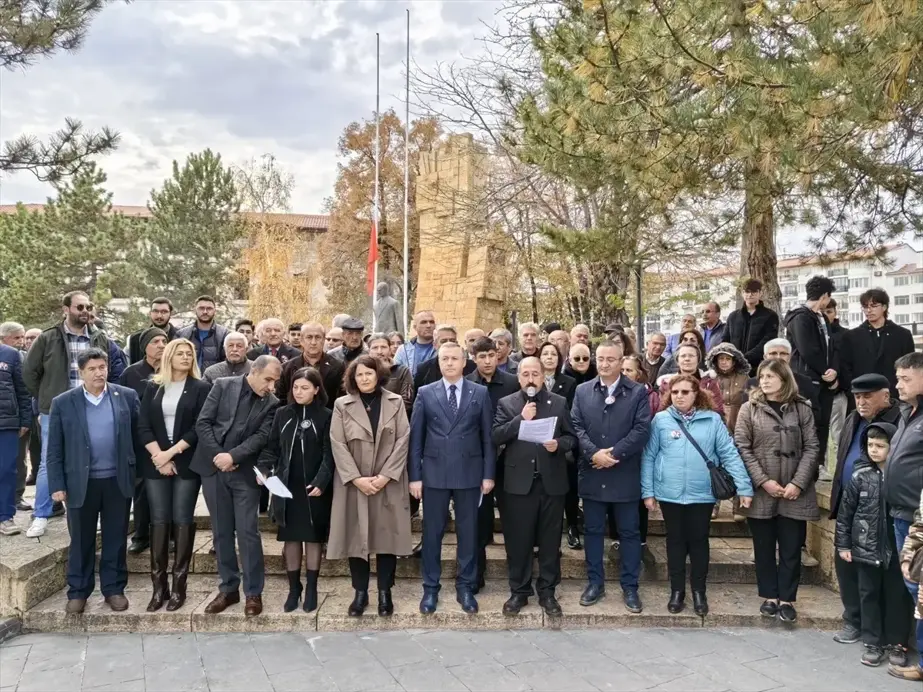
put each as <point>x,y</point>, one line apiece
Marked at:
<point>902,319</point>
<point>855,318</point>
<point>918,317</point>
<point>902,300</point>
<point>790,290</point>
<point>702,285</point>
<point>918,298</point>
<point>841,284</point>
<point>859,283</point>
<point>916,278</point>
<point>837,271</point>
<point>903,280</point>
<point>651,323</point>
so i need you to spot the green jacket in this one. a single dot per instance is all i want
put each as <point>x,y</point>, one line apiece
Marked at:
<point>47,367</point>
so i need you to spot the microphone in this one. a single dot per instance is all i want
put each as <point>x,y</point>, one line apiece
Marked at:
<point>530,393</point>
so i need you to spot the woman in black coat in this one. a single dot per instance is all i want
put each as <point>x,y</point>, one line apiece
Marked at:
<point>555,379</point>
<point>299,454</point>
<point>166,429</point>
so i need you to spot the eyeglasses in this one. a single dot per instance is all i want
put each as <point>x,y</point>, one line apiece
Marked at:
<point>681,392</point>
<point>580,359</point>
<point>81,308</point>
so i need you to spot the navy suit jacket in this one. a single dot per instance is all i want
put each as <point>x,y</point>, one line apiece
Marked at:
<point>452,452</point>
<point>69,442</point>
<point>624,425</point>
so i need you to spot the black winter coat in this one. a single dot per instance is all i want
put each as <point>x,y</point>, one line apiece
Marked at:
<point>812,354</point>
<point>863,524</point>
<point>869,350</point>
<point>750,333</point>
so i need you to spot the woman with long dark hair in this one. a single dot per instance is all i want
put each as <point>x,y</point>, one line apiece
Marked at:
<point>552,368</point>
<point>299,454</point>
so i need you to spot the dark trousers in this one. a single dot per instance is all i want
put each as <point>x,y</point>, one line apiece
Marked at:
<point>172,499</point>
<point>485,532</point>
<point>822,424</point>
<point>571,500</point>
<point>234,508</point>
<point>436,510</point>
<point>21,471</point>
<point>886,607</point>
<point>142,510</point>
<point>9,444</point>
<point>778,581</point>
<point>642,523</point>
<point>105,504</point>
<point>35,447</point>
<point>533,518</point>
<point>386,566</point>
<point>687,534</point>
<point>848,578</point>
<point>901,529</point>
<point>594,517</point>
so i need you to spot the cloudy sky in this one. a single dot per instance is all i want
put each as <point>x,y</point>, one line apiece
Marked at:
<point>243,77</point>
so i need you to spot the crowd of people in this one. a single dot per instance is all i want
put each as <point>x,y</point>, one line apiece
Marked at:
<point>563,434</point>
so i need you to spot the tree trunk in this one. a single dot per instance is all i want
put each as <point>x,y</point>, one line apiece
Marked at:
<point>758,238</point>
<point>606,295</point>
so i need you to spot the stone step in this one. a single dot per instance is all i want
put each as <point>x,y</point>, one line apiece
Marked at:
<point>722,527</point>
<point>731,605</point>
<point>730,561</point>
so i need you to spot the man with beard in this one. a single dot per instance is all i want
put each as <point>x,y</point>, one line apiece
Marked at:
<point>331,370</point>
<point>272,333</point>
<point>207,336</point>
<point>161,312</point>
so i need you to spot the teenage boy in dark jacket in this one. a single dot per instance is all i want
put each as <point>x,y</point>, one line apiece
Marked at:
<point>865,537</point>
<point>752,326</point>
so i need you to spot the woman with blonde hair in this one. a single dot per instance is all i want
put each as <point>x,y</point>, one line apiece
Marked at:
<point>166,428</point>
<point>777,440</point>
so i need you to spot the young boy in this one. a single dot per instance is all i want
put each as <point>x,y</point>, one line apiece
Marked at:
<point>865,536</point>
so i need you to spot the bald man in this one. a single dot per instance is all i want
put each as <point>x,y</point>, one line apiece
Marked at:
<point>471,336</point>
<point>272,340</point>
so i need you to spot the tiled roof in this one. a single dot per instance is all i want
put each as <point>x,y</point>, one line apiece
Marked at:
<point>306,222</point>
<point>906,269</point>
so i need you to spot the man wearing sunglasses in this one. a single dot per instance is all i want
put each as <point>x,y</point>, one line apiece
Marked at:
<point>51,369</point>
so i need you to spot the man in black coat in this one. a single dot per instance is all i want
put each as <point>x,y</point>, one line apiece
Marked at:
<point>499,385</point>
<point>534,488</point>
<point>161,312</point>
<point>874,345</point>
<point>429,372</point>
<point>752,326</point>
<point>272,332</point>
<point>150,343</point>
<point>873,405</point>
<point>814,352</point>
<point>331,369</point>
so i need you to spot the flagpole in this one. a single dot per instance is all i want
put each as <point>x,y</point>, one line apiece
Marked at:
<point>407,184</point>
<point>376,209</point>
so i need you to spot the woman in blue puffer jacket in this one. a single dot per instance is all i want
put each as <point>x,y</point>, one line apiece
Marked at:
<point>674,474</point>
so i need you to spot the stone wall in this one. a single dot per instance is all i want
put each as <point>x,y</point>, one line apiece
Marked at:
<point>461,268</point>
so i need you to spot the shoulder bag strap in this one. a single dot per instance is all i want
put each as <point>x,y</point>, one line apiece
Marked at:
<point>695,444</point>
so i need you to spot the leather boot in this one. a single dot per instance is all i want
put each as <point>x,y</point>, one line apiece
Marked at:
<point>310,590</point>
<point>160,557</point>
<point>185,539</point>
<point>294,590</point>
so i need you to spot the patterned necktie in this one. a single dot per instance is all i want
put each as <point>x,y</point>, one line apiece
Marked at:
<point>453,404</point>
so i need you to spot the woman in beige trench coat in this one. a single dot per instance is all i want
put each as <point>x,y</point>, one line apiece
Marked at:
<point>369,435</point>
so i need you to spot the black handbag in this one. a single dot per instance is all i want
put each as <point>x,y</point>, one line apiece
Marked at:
<point>722,482</point>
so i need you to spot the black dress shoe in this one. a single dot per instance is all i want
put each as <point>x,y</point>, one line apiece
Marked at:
<point>573,539</point>
<point>139,545</point>
<point>385,604</point>
<point>769,609</point>
<point>23,506</point>
<point>514,604</point>
<point>57,509</point>
<point>359,604</point>
<point>699,603</point>
<point>632,601</point>
<point>550,605</point>
<point>428,603</point>
<point>787,612</point>
<point>592,594</point>
<point>468,602</point>
<point>30,480</point>
<point>677,602</point>
<point>417,550</point>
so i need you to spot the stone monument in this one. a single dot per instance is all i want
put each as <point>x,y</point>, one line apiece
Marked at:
<point>463,273</point>
<point>389,316</point>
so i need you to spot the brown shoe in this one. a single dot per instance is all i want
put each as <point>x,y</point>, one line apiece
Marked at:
<point>118,602</point>
<point>222,602</point>
<point>911,673</point>
<point>254,606</point>
<point>75,606</point>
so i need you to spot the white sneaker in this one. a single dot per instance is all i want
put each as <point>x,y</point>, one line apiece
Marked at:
<point>8,528</point>
<point>38,528</point>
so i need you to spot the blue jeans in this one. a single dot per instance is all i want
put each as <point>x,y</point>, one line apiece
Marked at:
<point>628,521</point>
<point>9,449</point>
<point>901,529</point>
<point>42,495</point>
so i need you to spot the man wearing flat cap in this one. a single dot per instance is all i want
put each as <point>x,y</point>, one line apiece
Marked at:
<point>353,346</point>
<point>872,395</point>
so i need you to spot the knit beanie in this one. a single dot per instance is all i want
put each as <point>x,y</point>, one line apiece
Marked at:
<point>148,335</point>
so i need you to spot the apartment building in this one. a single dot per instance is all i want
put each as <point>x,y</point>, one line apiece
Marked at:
<point>899,271</point>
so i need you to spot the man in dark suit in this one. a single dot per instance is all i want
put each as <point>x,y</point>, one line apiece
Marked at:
<point>91,459</point>
<point>429,371</point>
<point>451,458</point>
<point>534,488</point>
<point>499,384</point>
<point>272,339</point>
<point>233,429</point>
<point>612,418</point>
<point>331,370</point>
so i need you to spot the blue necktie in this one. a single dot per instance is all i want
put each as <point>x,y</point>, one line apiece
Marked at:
<point>453,404</point>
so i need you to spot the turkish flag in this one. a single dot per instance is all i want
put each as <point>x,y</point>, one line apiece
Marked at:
<point>373,255</point>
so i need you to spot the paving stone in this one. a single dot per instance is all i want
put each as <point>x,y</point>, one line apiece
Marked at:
<point>426,676</point>
<point>550,676</point>
<point>280,653</point>
<point>693,683</point>
<point>170,649</point>
<point>57,679</point>
<point>507,648</point>
<point>12,661</point>
<point>396,649</point>
<point>231,663</point>
<point>362,674</point>
<point>660,670</point>
<point>453,649</point>
<point>740,677</point>
<point>303,681</point>
<point>136,685</point>
<point>181,676</point>
<point>607,674</point>
<point>488,677</point>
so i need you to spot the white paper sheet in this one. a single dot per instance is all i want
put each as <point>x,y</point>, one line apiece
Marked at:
<point>273,484</point>
<point>540,430</point>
